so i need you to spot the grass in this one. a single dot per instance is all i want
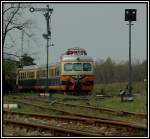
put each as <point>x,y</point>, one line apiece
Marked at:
<point>114,88</point>
<point>139,104</point>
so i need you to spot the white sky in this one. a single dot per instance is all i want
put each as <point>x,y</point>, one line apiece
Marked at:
<point>99,28</point>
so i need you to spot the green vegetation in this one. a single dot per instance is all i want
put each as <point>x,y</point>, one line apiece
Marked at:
<point>27,60</point>
<point>108,71</point>
<point>139,104</point>
<point>114,88</point>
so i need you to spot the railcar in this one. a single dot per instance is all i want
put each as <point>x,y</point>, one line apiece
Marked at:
<point>74,74</point>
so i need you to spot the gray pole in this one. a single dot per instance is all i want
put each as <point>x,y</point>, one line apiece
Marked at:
<point>47,66</point>
<point>47,16</point>
<point>22,36</point>
<point>130,67</point>
<point>130,15</point>
<point>47,36</point>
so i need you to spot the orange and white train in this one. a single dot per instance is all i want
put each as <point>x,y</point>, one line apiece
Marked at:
<point>74,74</point>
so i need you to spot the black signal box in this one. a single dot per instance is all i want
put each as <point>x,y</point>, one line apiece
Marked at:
<point>130,14</point>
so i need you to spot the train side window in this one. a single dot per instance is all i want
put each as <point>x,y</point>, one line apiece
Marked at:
<point>54,72</point>
<point>19,75</point>
<point>38,74</point>
<point>68,67</point>
<point>87,67</point>
<point>44,73</point>
<point>32,74</point>
<point>49,72</point>
<point>23,75</point>
<point>57,72</point>
<point>27,75</point>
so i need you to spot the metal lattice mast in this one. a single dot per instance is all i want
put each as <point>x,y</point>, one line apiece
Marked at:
<point>47,13</point>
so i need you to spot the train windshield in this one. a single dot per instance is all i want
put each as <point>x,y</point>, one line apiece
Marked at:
<point>87,67</point>
<point>77,66</point>
<point>68,67</point>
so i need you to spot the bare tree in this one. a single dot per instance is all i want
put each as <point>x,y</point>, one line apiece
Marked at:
<point>11,13</point>
<point>13,20</point>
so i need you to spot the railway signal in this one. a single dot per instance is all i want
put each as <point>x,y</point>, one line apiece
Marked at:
<point>47,13</point>
<point>130,15</point>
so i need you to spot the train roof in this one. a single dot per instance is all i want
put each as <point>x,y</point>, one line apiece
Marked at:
<point>37,66</point>
<point>31,67</point>
<point>82,58</point>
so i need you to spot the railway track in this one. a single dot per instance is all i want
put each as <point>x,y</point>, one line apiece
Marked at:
<point>73,126</point>
<point>91,112</point>
<point>54,131</point>
<point>105,110</point>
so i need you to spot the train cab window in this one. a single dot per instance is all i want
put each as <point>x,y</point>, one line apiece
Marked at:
<point>68,67</point>
<point>87,67</point>
<point>77,66</point>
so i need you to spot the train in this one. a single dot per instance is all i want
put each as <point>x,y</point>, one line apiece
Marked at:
<point>73,74</point>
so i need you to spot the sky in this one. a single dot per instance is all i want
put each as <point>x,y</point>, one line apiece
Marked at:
<point>99,28</point>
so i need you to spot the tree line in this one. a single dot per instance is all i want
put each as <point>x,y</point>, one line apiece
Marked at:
<point>10,66</point>
<point>10,71</point>
<point>108,71</point>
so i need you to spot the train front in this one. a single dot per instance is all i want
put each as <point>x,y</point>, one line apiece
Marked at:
<point>77,74</point>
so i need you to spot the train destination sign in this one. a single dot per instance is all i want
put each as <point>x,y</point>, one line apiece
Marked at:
<point>76,51</point>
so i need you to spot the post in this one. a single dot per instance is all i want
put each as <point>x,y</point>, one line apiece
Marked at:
<point>130,15</point>
<point>48,37</point>
<point>130,67</point>
<point>47,67</point>
<point>22,37</point>
<point>47,13</point>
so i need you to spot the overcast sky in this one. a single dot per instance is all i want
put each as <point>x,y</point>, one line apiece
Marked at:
<point>99,28</point>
